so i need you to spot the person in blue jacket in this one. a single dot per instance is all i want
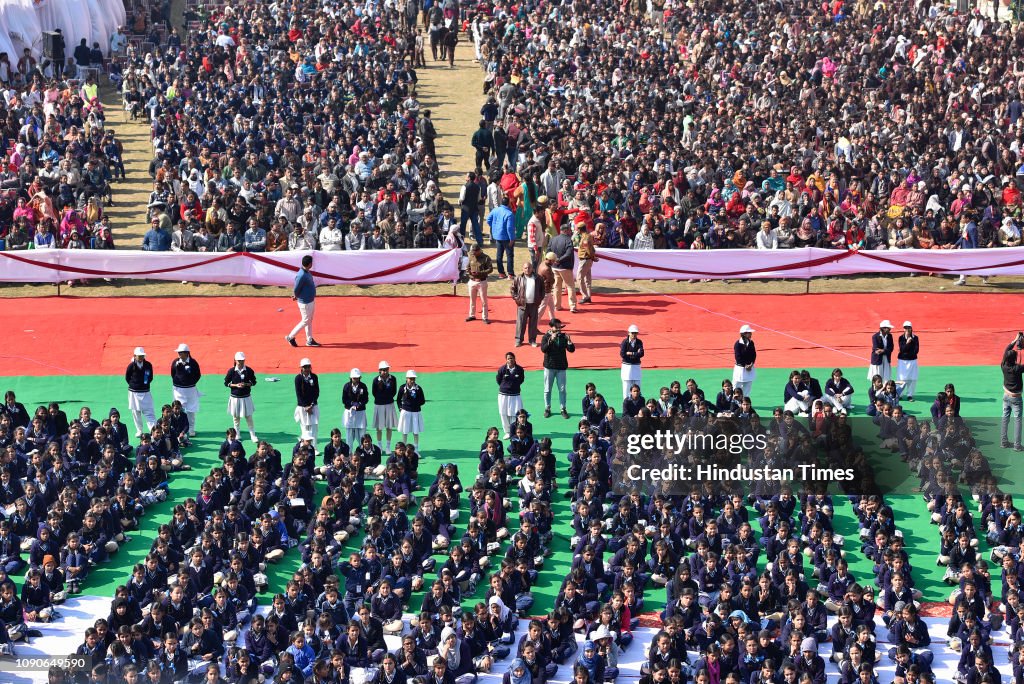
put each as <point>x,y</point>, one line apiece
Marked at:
<point>502,222</point>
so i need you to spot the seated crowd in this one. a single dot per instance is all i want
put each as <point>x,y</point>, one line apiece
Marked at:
<point>756,582</point>
<point>717,125</point>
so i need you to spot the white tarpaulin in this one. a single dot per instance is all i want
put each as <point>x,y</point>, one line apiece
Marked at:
<point>22,23</point>
<point>273,268</point>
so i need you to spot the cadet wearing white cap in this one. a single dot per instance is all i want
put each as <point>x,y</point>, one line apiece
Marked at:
<point>139,376</point>
<point>745,355</point>
<point>384,388</point>
<point>185,376</point>
<point>631,350</point>
<point>240,379</point>
<point>354,397</point>
<point>906,361</point>
<point>881,352</point>
<point>410,405</point>
<point>307,394</point>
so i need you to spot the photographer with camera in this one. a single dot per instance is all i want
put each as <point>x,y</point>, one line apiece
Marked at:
<point>1013,386</point>
<point>555,344</point>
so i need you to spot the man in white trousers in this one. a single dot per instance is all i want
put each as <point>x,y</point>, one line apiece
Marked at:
<point>139,376</point>
<point>881,352</point>
<point>185,375</point>
<point>304,294</point>
<point>906,361</point>
<point>745,356</point>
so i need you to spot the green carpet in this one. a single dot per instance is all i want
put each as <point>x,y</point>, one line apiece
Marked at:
<point>459,409</point>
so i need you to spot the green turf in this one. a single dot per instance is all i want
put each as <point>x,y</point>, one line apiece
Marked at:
<point>461,406</point>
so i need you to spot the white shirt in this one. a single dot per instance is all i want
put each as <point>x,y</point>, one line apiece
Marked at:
<point>530,293</point>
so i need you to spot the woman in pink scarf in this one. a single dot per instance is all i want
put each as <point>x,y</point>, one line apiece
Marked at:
<point>71,224</point>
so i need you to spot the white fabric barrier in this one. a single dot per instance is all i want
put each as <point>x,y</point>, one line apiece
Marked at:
<point>803,263</point>
<point>252,268</point>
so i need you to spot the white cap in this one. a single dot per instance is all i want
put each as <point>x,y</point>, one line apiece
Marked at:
<point>382,365</point>
<point>139,351</point>
<point>410,374</point>
<point>633,328</point>
<point>907,324</point>
<point>182,348</point>
<point>885,324</point>
<point>746,329</point>
<point>355,373</point>
<point>239,356</point>
<point>305,362</point>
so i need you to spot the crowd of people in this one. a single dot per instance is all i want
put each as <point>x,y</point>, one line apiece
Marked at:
<point>667,125</point>
<point>757,583</point>
<point>60,161</point>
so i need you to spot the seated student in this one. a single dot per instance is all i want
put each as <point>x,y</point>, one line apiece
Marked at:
<point>36,598</point>
<point>839,392</point>
<point>797,396</point>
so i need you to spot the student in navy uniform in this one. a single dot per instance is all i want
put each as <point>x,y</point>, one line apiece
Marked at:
<point>240,378</point>
<point>139,375</point>
<point>384,388</point>
<point>631,350</point>
<point>745,354</point>
<point>881,352</point>
<point>185,375</point>
<point>307,394</point>
<point>16,412</point>
<point>510,379</point>
<point>354,397</point>
<point>906,360</point>
<point>410,405</point>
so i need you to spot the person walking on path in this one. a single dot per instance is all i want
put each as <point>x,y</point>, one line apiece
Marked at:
<point>482,142</point>
<point>565,260</point>
<point>139,376</point>
<point>631,351</point>
<point>510,379</point>
<point>185,375</point>
<point>304,293</point>
<point>470,198</point>
<point>502,222</point>
<point>240,379</point>
<point>555,345</point>
<point>480,267</point>
<point>528,293</point>
<point>307,394</point>
<point>1012,389</point>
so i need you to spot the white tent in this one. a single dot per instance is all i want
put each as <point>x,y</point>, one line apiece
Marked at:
<point>22,23</point>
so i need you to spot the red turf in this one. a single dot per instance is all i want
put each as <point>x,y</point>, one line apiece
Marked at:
<point>52,335</point>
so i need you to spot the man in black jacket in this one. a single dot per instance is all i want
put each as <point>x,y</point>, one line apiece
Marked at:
<point>1012,388</point>
<point>139,375</point>
<point>510,380</point>
<point>565,259</point>
<point>555,344</point>
<point>307,393</point>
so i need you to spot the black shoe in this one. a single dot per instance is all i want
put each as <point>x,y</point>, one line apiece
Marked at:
<point>910,398</point>
<point>565,414</point>
<point>292,341</point>
<point>470,318</point>
<point>313,343</point>
<point>547,413</point>
<point>487,321</point>
<point>1004,444</point>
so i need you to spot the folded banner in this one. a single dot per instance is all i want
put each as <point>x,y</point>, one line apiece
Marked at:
<point>803,263</point>
<point>251,268</point>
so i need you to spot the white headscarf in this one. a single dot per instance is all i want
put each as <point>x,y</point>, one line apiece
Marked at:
<point>501,604</point>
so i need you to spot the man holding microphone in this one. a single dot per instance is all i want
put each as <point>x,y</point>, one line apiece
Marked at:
<point>1012,388</point>
<point>555,344</point>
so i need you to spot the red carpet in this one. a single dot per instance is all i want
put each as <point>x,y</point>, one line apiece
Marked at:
<point>53,335</point>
